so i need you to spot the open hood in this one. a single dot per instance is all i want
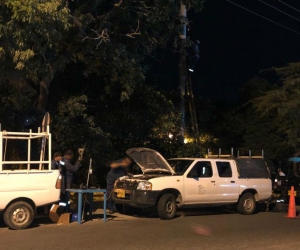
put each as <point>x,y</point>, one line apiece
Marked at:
<point>149,160</point>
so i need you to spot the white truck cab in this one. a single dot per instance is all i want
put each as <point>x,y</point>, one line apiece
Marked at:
<point>26,178</point>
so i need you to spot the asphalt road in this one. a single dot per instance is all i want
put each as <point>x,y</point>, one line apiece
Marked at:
<point>192,229</point>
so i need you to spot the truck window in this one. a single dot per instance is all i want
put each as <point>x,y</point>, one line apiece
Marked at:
<point>224,169</point>
<point>202,169</point>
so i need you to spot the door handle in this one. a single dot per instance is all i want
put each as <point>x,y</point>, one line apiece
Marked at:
<point>232,181</point>
<point>212,181</point>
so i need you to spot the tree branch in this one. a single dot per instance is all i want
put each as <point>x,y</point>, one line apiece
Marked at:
<point>135,32</point>
<point>103,37</point>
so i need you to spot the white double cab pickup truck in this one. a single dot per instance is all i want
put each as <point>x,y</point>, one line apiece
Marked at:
<point>26,179</point>
<point>183,182</point>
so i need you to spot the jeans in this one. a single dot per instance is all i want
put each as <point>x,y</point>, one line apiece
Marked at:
<point>110,202</point>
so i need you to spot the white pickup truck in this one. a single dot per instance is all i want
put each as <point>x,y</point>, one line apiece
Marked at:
<point>182,182</point>
<point>26,178</point>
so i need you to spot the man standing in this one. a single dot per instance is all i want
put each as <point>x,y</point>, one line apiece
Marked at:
<point>56,159</point>
<point>67,170</point>
<point>118,169</point>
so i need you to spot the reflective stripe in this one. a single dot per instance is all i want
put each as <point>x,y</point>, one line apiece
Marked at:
<point>64,204</point>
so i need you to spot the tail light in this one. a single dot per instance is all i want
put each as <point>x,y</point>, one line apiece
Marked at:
<point>58,182</point>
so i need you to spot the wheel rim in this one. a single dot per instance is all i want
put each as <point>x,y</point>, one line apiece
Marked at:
<point>20,216</point>
<point>248,204</point>
<point>169,207</point>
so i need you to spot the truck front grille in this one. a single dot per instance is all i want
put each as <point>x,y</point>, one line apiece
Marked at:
<point>126,185</point>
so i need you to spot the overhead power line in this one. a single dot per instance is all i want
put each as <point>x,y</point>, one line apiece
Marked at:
<point>264,17</point>
<point>279,10</point>
<point>289,5</point>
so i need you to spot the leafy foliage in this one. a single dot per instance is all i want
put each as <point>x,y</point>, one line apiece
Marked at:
<point>267,117</point>
<point>282,105</point>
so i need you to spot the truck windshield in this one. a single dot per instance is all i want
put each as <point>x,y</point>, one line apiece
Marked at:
<point>179,165</point>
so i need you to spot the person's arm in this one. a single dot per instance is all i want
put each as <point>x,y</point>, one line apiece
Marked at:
<point>72,168</point>
<point>116,164</point>
<point>124,163</point>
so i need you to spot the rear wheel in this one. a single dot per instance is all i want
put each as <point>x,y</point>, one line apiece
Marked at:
<point>246,204</point>
<point>167,207</point>
<point>18,215</point>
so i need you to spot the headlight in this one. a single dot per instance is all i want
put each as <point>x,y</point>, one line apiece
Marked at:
<point>144,185</point>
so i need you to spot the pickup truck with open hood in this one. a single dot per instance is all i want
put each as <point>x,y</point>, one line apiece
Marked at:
<point>182,182</point>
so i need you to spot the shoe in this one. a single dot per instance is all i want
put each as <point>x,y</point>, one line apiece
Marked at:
<point>112,211</point>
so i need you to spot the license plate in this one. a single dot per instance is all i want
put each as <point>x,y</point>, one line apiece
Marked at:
<point>289,193</point>
<point>121,194</point>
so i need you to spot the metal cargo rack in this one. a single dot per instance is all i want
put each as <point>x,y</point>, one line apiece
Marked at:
<point>231,155</point>
<point>42,140</point>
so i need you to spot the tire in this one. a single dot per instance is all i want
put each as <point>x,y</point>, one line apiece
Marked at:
<point>246,204</point>
<point>167,207</point>
<point>18,215</point>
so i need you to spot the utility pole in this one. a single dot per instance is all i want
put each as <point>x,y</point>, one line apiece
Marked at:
<point>185,84</point>
<point>192,109</point>
<point>182,71</point>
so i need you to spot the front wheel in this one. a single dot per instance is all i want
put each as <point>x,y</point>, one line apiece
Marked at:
<point>18,215</point>
<point>246,204</point>
<point>167,207</point>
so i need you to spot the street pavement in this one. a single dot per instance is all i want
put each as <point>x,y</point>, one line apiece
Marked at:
<point>212,228</point>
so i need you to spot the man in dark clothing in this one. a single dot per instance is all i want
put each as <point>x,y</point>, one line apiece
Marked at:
<point>118,169</point>
<point>67,170</point>
<point>56,159</point>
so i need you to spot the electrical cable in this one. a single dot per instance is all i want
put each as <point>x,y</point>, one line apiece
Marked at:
<point>263,17</point>
<point>279,10</point>
<point>289,5</point>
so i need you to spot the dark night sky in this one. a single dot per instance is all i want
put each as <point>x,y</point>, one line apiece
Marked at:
<point>236,44</point>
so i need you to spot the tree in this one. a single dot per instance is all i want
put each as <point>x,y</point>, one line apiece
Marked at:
<point>242,127</point>
<point>282,106</point>
<point>261,121</point>
<point>116,38</point>
<point>33,44</point>
<point>110,38</point>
